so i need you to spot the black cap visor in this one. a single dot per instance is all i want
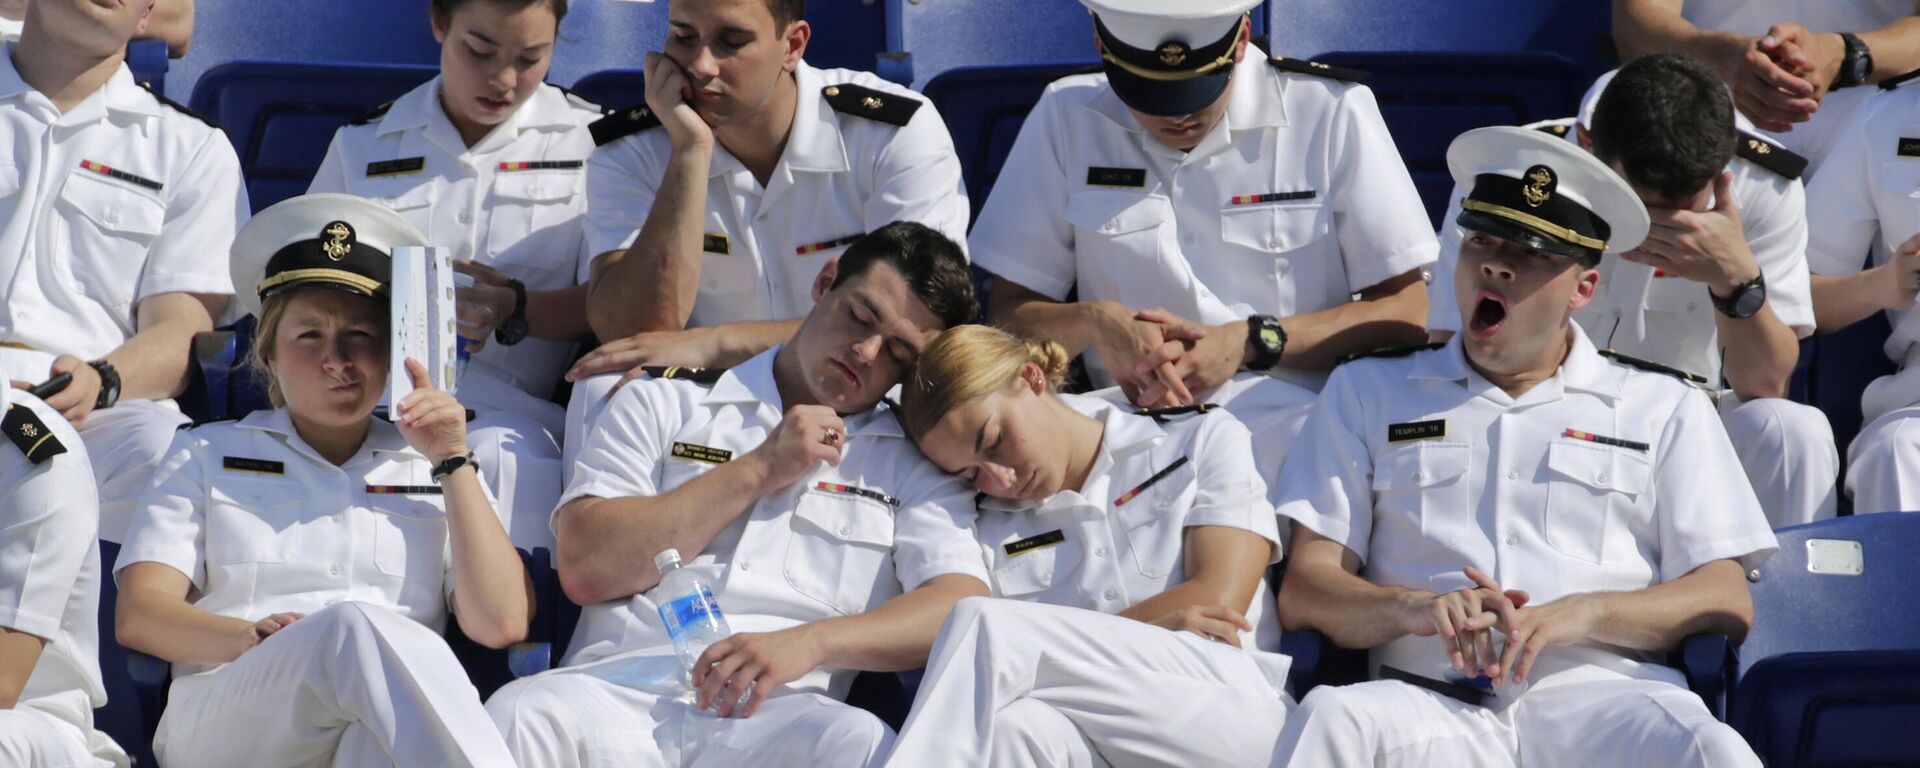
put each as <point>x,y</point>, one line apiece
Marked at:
<point>1527,236</point>
<point>1172,81</point>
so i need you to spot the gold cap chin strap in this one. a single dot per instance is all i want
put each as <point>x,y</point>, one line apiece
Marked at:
<point>340,276</point>
<point>1535,223</point>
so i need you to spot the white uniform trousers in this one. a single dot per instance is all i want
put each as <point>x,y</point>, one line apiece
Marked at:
<point>350,685</point>
<point>575,716</point>
<point>1012,683</point>
<point>125,443</point>
<point>1613,722</point>
<point>515,440</point>
<point>43,733</point>
<point>1883,464</point>
<point>1789,454</point>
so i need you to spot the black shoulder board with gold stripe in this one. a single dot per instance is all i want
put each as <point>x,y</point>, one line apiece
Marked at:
<point>1895,82</point>
<point>377,113</point>
<point>1648,365</point>
<point>1317,69</point>
<point>695,375</point>
<point>1762,153</point>
<point>1162,415</point>
<point>178,107</point>
<point>204,422</point>
<point>1392,352</point>
<point>583,101</point>
<point>27,431</point>
<point>621,124</point>
<point>1555,129</point>
<point>859,101</point>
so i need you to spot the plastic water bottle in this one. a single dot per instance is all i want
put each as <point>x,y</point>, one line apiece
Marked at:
<point>687,608</point>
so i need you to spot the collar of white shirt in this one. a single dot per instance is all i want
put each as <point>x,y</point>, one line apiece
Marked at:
<point>813,144</point>
<point>420,108</point>
<point>1126,433</point>
<point>123,95</point>
<point>1253,103</point>
<point>1584,370</point>
<point>752,383</point>
<point>382,437</point>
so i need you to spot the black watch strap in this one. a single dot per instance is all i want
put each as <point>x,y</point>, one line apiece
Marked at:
<point>514,329</point>
<point>1856,65</point>
<point>109,384</point>
<point>442,469</point>
<point>1746,299</point>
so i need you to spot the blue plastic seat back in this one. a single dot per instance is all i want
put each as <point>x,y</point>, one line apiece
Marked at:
<point>1840,365</point>
<point>148,61</point>
<point>984,108</point>
<point>1831,670</point>
<point>1429,98</point>
<point>615,88</point>
<point>281,116</point>
<point>133,705</point>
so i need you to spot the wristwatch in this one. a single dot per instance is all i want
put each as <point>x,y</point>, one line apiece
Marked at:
<point>442,469</point>
<point>1266,342</point>
<point>109,384</point>
<point>514,328</point>
<point>1746,299</point>
<point>1856,66</point>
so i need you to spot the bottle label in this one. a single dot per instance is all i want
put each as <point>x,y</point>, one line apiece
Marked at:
<point>690,609</point>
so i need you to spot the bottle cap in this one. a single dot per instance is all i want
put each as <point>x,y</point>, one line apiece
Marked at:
<point>668,559</point>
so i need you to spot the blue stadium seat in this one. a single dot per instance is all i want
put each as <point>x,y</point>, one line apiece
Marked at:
<point>1830,674</point>
<point>282,115</point>
<point>615,88</point>
<point>1839,367</point>
<point>134,698</point>
<point>1430,98</point>
<point>149,63</point>
<point>984,107</point>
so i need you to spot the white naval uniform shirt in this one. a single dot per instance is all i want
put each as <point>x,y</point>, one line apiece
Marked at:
<point>50,564</point>
<point>839,542</point>
<point>1818,137</point>
<point>514,201</point>
<point>1089,199</point>
<point>121,198</point>
<point>841,176</point>
<point>1120,539</point>
<point>1602,478</point>
<point>1662,318</point>
<point>1867,202</point>
<point>262,523</point>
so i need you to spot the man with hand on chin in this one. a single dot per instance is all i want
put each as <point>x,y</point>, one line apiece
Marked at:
<point>1519,527</point>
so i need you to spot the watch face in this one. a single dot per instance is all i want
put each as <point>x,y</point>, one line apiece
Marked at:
<point>1747,304</point>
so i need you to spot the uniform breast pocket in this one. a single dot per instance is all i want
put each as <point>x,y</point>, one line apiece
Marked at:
<point>841,550</point>
<point>726,263</point>
<point>1592,493</point>
<point>1117,231</point>
<point>1289,249</point>
<point>1155,523</point>
<point>251,521</point>
<point>1897,195</point>
<point>410,540</point>
<point>1039,560</point>
<point>111,226</point>
<point>1425,484</point>
<point>532,204</point>
<point>407,196</point>
<point>9,180</point>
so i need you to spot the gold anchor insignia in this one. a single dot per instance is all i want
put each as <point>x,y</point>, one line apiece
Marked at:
<point>637,114</point>
<point>1318,65</point>
<point>336,247</point>
<point>1173,54</point>
<point>872,102</point>
<point>29,430</point>
<point>1536,191</point>
<point>1759,147</point>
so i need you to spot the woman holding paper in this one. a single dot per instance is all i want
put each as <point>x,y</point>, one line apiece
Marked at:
<point>490,163</point>
<point>297,566</point>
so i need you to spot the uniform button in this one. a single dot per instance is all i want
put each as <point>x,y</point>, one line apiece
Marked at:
<point>1602,477</point>
<point>465,217</point>
<point>746,566</point>
<point>112,218</point>
<point>844,530</point>
<point>333,570</point>
<point>1513,474</point>
<point>1274,243</point>
<point>1101,552</point>
<point>1187,239</point>
<point>1111,594</point>
<point>1512,540</point>
<point>538,191</point>
<point>1419,475</point>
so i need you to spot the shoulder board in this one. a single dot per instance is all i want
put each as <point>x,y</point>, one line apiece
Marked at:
<point>860,101</point>
<point>583,101</point>
<point>1900,80</point>
<point>1762,153</point>
<point>1555,129</point>
<point>203,422</point>
<point>31,435</point>
<point>1392,352</point>
<point>178,107</point>
<point>1162,415</point>
<point>1646,365</point>
<point>1317,69</point>
<point>377,113</point>
<point>695,375</point>
<point>619,124</point>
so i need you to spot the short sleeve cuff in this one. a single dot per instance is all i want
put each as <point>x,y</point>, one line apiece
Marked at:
<point>43,627</point>
<point>155,285</point>
<point>183,561</point>
<point>1227,518</point>
<point>913,575</point>
<point>1008,268</point>
<point>1337,530</point>
<point>1373,272</point>
<point>1750,551</point>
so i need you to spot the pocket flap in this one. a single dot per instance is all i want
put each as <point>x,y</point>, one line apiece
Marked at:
<point>9,179</point>
<point>111,205</point>
<point>1421,465</point>
<point>535,186</point>
<point>1601,467</point>
<point>1281,227</point>
<point>419,195</point>
<point>1112,212</point>
<point>846,517</point>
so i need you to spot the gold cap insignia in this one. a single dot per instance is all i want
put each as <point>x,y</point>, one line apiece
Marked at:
<point>1173,54</point>
<point>638,114</point>
<point>1539,187</point>
<point>339,242</point>
<point>872,102</point>
<point>1759,147</point>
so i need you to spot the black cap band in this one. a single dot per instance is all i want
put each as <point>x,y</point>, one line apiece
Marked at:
<point>1172,79</point>
<point>335,259</point>
<point>1528,210</point>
